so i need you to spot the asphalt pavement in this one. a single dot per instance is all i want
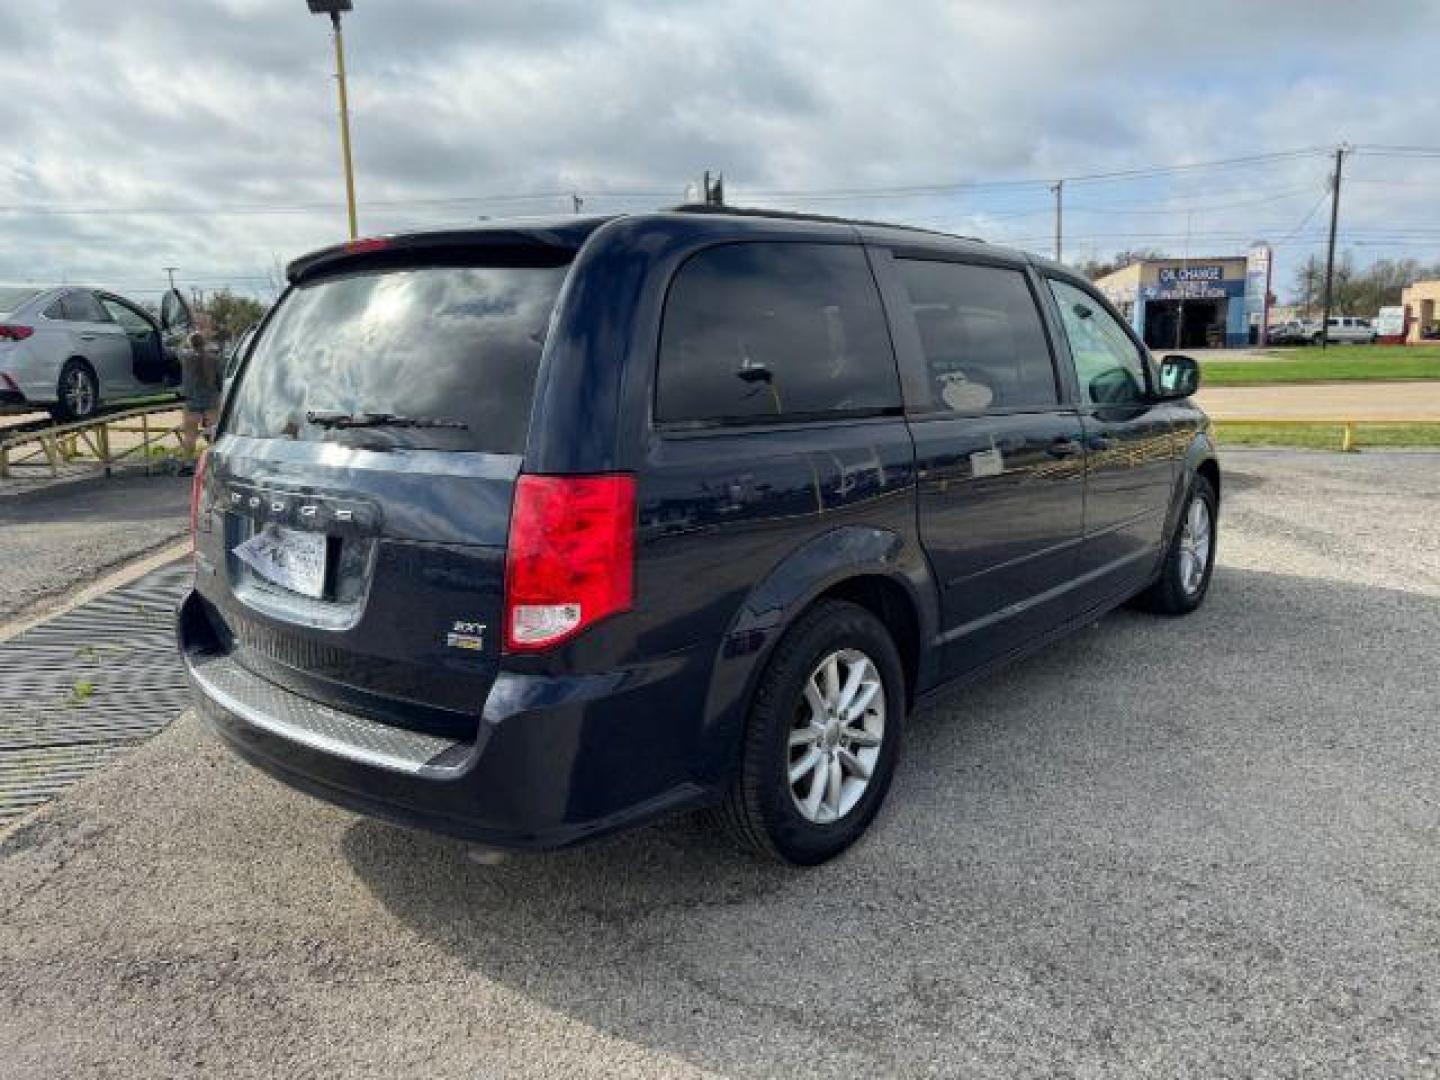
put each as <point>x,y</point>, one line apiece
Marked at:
<point>59,538</point>
<point>1193,847</point>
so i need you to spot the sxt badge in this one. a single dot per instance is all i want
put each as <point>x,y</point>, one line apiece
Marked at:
<point>466,635</point>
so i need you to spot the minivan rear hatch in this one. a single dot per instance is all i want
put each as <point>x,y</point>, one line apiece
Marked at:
<point>361,486</point>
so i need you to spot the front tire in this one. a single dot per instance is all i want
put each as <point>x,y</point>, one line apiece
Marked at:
<point>822,738</point>
<point>1185,576</point>
<point>77,392</point>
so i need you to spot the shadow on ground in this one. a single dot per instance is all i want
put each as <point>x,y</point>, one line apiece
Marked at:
<point>1207,842</point>
<point>119,500</point>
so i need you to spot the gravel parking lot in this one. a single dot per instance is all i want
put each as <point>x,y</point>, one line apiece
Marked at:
<point>1197,847</point>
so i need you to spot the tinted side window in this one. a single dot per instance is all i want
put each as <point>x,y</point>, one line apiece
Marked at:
<point>1110,367</point>
<point>757,330</point>
<point>981,333</point>
<point>83,307</point>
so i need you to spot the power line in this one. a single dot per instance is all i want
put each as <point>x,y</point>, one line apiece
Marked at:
<point>818,194</point>
<point>890,191</point>
<point>1397,151</point>
<point>1305,220</point>
<point>1120,210</point>
<point>1167,170</point>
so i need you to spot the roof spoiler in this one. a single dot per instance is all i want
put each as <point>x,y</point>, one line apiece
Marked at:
<point>515,246</point>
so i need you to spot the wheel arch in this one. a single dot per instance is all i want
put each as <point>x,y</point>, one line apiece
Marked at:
<point>1210,469</point>
<point>872,567</point>
<point>1200,459</point>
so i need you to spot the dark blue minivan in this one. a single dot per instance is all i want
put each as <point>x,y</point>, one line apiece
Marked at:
<point>530,532</point>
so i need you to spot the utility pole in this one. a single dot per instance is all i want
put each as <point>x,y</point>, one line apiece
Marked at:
<point>1184,285</point>
<point>171,271</point>
<point>1330,253</point>
<point>1059,189</point>
<point>576,201</point>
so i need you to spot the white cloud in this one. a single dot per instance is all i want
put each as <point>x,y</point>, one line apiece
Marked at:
<point>160,104</point>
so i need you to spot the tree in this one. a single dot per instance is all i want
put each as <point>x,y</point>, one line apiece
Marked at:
<point>1098,268</point>
<point>1310,284</point>
<point>1357,292</point>
<point>232,315</point>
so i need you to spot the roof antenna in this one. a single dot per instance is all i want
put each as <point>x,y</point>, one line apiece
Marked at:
<point>714,189</point>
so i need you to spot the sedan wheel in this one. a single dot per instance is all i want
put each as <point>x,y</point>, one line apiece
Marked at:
<point>78,392</point>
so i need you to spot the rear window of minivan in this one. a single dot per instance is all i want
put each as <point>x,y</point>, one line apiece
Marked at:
<point>454,347</point>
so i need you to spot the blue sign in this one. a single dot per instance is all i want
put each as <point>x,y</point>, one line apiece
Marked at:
<point>1193,290</point>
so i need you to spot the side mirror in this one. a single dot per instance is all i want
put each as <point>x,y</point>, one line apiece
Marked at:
<point>1179,378</point>
<point>175,313</point>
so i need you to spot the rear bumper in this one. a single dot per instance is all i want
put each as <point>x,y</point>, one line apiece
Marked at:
<point>556,759</point>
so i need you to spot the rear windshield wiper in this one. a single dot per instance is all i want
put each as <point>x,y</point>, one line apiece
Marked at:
<point>328,419</point>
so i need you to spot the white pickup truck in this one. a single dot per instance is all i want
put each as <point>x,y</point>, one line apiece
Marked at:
<point>1341,330</point>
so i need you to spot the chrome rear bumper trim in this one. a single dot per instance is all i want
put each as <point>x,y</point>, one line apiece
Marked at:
<point>264,705</point>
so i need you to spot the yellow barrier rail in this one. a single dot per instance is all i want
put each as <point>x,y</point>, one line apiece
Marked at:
<point>1347,426</point>
<point>102,439</point>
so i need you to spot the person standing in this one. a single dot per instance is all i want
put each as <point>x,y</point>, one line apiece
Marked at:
<point>200,389</point>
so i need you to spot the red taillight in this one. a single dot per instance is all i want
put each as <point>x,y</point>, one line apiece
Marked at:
<point>571,558</point>
<point>369,243</point>
<point>11,332</point>
<point>197,492</point>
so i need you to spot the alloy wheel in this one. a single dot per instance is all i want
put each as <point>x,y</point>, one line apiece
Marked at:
<point>79,393</point>
<point>1195,546</point>
<point>835,740</point>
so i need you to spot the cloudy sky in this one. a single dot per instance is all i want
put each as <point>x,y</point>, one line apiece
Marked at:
<point>202,134</point>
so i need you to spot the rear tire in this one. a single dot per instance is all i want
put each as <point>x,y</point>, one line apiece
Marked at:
<point>817,762</point>
<point>1185,576</point>
<point>77,392</point>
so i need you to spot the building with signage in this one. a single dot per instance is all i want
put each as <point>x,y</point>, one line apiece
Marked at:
<point>1194,303</point>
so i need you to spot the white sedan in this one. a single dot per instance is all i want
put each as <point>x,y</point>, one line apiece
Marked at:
<point>71,350</point>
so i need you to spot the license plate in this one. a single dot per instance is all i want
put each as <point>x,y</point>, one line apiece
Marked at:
<point>291,558</point>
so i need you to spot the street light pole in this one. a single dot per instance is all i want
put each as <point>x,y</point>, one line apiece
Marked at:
<point>334,8</point>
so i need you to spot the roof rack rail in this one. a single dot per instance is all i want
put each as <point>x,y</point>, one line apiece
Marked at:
<point>796,215</point>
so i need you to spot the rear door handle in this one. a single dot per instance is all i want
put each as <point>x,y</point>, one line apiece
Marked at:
<point>87,337</point>
<point>1063,448</point>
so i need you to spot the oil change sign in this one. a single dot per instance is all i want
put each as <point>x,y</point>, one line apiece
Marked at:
<point>1202,282</point>
<point>1182,275</point>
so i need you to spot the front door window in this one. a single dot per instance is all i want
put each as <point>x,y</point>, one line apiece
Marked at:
<point>1111,368</point>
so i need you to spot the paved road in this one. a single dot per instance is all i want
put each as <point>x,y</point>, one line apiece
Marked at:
<point>56,539</point>
<point>1163,848</point>
<point>1418,400</point>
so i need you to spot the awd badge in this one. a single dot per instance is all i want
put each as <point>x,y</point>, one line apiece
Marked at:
<point>466,635</point>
